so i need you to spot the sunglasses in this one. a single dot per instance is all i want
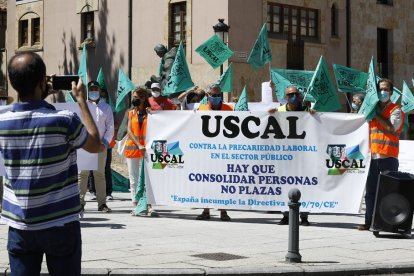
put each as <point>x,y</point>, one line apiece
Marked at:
<point>215,96</point>
<point>292,94</point>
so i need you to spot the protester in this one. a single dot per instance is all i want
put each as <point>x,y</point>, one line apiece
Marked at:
<point>294,102</point>
<point>108,171</point>
<point>357,100</point>
<point>158,101</point>
<point>215,102</point>
<point>102,114</point>
<point>190,97</point>
<point>41,194</point>
<point>385,129</point>
<point>135,144</point>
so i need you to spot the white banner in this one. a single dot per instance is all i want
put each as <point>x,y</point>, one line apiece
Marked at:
<point>250,160</point>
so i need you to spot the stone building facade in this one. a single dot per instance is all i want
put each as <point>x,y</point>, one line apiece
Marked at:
<point>123,33</point>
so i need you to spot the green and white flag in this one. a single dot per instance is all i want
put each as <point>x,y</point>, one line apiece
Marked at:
<point>349,80</point>
<point>323,90</point>
<point>179,78</point>
<point>261,53</point>
<point>214,51</point>
<point>242,103</point>
<point>68,97</point>
<point>125,86</point>
<point>226,80</point>
<point>102,84</point>
<point>283,78</point>
<point>83,68</point>
<point>141,195</point>
<point>371,98</point>
<point>407,100</point>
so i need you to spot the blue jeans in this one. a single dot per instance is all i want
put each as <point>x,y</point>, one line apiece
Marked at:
<point>62,246</point>
<point>377,166</point>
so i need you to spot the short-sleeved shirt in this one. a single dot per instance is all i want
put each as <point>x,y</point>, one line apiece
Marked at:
<point>162,103</point>
<point>38,144</point>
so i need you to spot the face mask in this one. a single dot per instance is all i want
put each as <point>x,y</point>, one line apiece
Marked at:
<point>190,106</point>
<point>293,100</point>
<point>215,102</point>
<point>355,106</point>
<point>155,94</point>
<point>384,96</point>
<point>93,95</point>
<point>3,102</point>
<point>136,102</point>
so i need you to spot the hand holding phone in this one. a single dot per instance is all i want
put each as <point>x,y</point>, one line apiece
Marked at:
<point>63,82</point>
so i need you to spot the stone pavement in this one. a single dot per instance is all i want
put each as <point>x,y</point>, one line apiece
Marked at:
<point>251,244</point>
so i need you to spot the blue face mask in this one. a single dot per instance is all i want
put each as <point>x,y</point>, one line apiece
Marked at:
<point>93,95</point>
<point>215,101</point>
<point>293,100</point>
<point>384,96</point>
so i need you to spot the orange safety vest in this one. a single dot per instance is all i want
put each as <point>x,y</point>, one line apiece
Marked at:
<point>131,149</point>
<point>382,140</point>
<point>224,107</point>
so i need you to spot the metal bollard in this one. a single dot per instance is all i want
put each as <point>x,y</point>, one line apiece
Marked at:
<point>293,255</point>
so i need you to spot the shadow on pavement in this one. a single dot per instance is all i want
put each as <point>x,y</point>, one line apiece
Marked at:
<point>104,225</point>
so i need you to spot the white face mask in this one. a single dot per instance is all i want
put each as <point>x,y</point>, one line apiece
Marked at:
<point>190,106</point>
<point>155,94</point>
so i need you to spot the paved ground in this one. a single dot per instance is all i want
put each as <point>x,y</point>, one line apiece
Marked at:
<point>251,243</point>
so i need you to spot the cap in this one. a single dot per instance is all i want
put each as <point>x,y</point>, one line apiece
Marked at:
<point>93,83</point>
<point>155,85</point>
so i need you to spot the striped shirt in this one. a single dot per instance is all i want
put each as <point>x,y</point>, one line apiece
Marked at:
<point>38,144</point>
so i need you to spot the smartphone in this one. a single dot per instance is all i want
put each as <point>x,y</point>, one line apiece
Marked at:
<point>64,82</point>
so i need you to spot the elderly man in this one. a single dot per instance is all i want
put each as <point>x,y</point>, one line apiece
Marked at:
<point>215,102</point>
<point>384,137</point>
<point>104,119</point>
<point>158,101</point>
<point>41,194</point>
<point>294,102</point>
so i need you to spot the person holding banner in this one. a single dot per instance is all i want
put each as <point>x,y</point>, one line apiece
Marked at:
<point>135,144</point>
<point>158,101</point>
<point>385,129</point>
<point>357,100</point>
<point>41,194</point>
<point>294,102</point>
<point>214,102</point>
<point>190,97</point>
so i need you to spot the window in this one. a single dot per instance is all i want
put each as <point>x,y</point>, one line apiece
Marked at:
<point>334,21</point>
<point>88,27</point>
<point>383,51</point>
<point>178,24</point>
<point>385,2</point>
<point>23,33</point>
<point>3,19</point>
<point>292,22</point>
<point>35,31</point>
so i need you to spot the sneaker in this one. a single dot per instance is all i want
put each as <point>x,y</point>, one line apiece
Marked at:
<point>152,213</point>
<point>104,209</point>
<point>284,221</point>
<point>363,227</point>
<point>224,216</point>
<point>203,216</point>
<point>304,222</point>
<point>93,196</point>
<point>82,212</point>
<point>109,197</point>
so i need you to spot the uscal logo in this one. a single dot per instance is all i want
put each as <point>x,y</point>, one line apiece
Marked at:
<point>166,154</point>
<point>343,159</point>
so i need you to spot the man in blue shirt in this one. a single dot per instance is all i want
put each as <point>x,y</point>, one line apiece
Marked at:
<point>41,196</point>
